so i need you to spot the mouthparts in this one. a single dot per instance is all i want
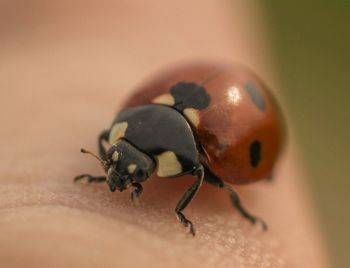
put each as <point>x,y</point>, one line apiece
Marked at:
<point>116,182</point>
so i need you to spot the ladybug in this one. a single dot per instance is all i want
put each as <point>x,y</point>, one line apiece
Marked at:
<point>215,122</point>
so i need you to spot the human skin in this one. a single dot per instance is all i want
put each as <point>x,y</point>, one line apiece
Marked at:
<point>65,69</point>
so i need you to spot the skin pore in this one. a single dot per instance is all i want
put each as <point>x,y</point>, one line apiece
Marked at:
<point>66,68</point>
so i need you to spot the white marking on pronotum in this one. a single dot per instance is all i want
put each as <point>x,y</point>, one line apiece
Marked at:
<point>192,115</point>
<point>115,156</point>
<point>168,165</point>
<point>117,132</point>
<point>166,99</point>
<point>131,168</point>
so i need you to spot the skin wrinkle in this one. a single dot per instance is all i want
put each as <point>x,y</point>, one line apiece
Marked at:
<point>72,73</point>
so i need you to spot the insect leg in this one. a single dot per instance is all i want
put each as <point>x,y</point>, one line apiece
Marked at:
<point>135,195</point>
<point>236,202</point>
<point>103,137</point>
<point>187,197</point>
<point>90,178</point>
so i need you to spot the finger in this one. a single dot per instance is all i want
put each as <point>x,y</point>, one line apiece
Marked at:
<point>74,83</point>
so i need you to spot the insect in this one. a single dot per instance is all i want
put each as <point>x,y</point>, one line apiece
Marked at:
<point>215,122</point>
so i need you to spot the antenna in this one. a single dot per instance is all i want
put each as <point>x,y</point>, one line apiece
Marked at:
<point>94,155</point>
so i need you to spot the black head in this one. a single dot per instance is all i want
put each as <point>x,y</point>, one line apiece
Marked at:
<point>125,165</point>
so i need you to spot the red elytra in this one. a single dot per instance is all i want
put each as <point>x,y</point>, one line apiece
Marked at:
<point>240,131</point>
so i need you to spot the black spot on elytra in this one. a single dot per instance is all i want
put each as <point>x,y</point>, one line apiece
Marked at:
<point>255,96</point>
<point>189,95</point>
<point>255,153</point>
<point>222,147</point>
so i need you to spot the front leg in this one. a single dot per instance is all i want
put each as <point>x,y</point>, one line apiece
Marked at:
<point>187,198</point>
<point>135,195</point>
<point>103,137</point>
<point>90,178</point>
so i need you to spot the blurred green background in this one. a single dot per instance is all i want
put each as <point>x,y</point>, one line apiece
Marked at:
<point>311,42</point>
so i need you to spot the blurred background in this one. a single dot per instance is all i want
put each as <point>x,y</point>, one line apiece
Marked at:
<point>311,50</point>
<point>309,44</point>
